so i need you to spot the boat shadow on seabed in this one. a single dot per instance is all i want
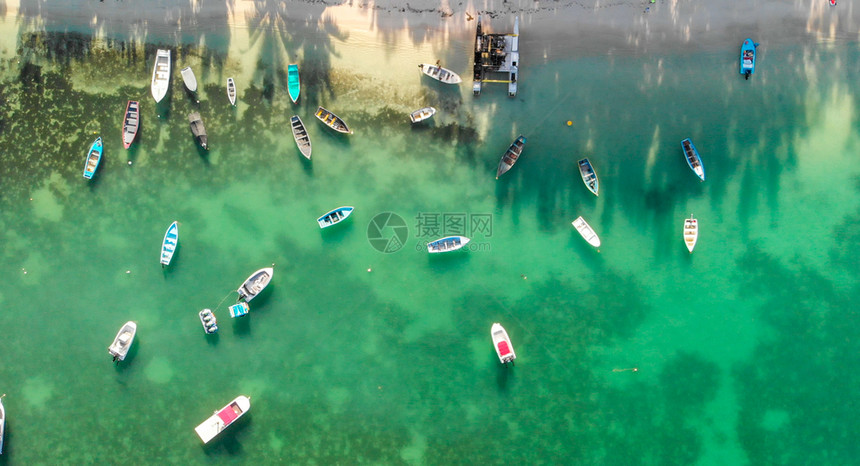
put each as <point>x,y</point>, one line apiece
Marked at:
<point>123,366</point>
<point>504,374</point>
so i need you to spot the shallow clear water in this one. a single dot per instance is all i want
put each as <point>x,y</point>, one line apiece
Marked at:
<point>743,350</point>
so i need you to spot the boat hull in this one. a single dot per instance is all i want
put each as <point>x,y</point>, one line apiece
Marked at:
<point>502,344</point>
<point>511,156</point>
<point>169,243</point>
<point>123,341</point>
<point>160,75</point>
<point>694,161</point>
<point>691,233</point>
<point>231,91</point>
<point>422,114</point>
<point>255,284</point>
<point>747,66</point>
<point>440,74</point>
<point>300,135</point>
<point>2,424</point>
<point>223,418</point>
<point>131,123</point>
<point>189,79</point>
<point>589,177</point>
<point>586,231</point>
<point>293,85</point>
<point>198,130</point>
<point>335,216</point>
<point>207,319</point>
<point>332,121</point>
<point>94,157</point>
<point>447,244</point>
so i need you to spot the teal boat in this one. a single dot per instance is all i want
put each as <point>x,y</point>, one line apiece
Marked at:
<point>748,58</point>
<point>293,81</point>
<point>94,156</point>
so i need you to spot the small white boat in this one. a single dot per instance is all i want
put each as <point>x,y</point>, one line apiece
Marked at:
<point>169,244</point>
<point>189,79</point>
<point>335,216</point>
<point>231,91</point>
<point>502,344</point>
<point>119,348</point>
<point>222,418</point>
<point>449,243</point>
<point>160,75</point>
<point>207,318</point>
<point>585,230</point>
<point>422,114</point>
<point>255,284</point>
<point>300,134</point>
<point>440,74</point>
<point>691,233</point>
<point>2,423</point>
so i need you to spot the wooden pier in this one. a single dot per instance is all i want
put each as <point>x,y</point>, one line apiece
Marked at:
<point>495,56</point>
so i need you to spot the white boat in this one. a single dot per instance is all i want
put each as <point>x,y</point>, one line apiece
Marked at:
<point>161,75</point>
<point>300,134</point>
<point>502,344</point>
<point>119,348</point>
<point>422,114</point>
<point>207,318</point>
<point>691,232</point>
<point>189,79</point>
<point>169,244</point>
<point>449,243</point>
<point>2,424</point>
<point>210,428</point>
<point>335,216</point>
<point>255,284</point>
<point>440,74</point>
<point>231,91</point>
<point>586,231</point>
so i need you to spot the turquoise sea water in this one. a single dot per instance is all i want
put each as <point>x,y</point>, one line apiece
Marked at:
<point>744,351</point>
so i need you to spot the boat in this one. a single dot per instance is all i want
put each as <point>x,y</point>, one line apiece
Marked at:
<point>255,284</point>
<point>332,121</point>
<point>94,156</point>
<point>511,156</point>
<point>832,2</point>
<point>131,124</point>
<point>691,232</point>
<point>693,159</point>
<point>160,75</point>
<point>198,130</point>
<point>748,58</point>
<point>293,85</point>
<point>189,79</point>
<point>207,318</point>
<point>231,91</point>
<point>449,243</point>
<point>335,216</point>
<point>422,114</point>
<point>223,418</point>
<point>239,309</point>
<point>2,423</point>
<point>119,348</point>
<point>169,244</point>
<point>588,175</point>
<point>502,344</point>
<point>586,231</point>
<point>300,134</point>
<point>440,74</point>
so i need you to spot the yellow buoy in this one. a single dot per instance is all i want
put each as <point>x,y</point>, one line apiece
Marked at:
<point>569,123</point>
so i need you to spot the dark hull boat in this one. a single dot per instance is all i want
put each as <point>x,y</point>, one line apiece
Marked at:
<point>332,121</point>
<point>511,156</point>
<point>198,130</point>
<point>588,175</point>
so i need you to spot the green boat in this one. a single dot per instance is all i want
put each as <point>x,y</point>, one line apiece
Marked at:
<point>293,81</point>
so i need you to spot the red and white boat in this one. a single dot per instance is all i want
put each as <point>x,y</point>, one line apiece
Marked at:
<point>502,344</point>
<point>223,418</point>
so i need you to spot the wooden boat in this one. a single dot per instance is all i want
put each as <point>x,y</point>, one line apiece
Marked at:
<point>440,74</point>
<point>189,79</point>
<point>223,418</point>
<point>748,58</point>
<point>131,124</point>
<point>293,85</point>
<point>169,244</point>
<point>198,130</point>
<point>207,318</point>
<point>588,175</point>
<point>160,75</point>
<point>231,91</point>
<point>119,348</point>
<point>300,134</point>
<point>449,243</point>
<point>94,156</point>
<point>335,216</point>
<point>332,121</point>
<point>422,114</point>
<point>239,309</point>
<point>691,233</point>
<point>255,284</point>
<point>2,423</point>
<point>510,157</point>
<point>693,159</point>
<point>502,344</point>
<point>586,231</point>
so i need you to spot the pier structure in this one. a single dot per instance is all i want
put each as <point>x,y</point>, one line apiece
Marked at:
<point>495,56</point>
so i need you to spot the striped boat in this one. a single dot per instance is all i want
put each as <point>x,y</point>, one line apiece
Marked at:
<point>94,156</point>
<point>169,244</point>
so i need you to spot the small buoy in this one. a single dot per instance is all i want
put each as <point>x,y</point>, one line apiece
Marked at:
<point>368,269</point>
<point>129,162</point>
<point>128,271</point>
<point>569,123</point>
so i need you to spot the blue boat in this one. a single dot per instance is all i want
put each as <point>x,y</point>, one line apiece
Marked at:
<point>171,241</point>
<point>449,243</point>
<point>335,216</point>
<point>94,156</point>
<point>293,82</point>
<point>748,58</point>
<point>693,159</point>
<point>239,309</point>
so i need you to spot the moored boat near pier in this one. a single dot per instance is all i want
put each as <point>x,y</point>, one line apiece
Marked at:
<point>160,75</point>
<point>131,123</point>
